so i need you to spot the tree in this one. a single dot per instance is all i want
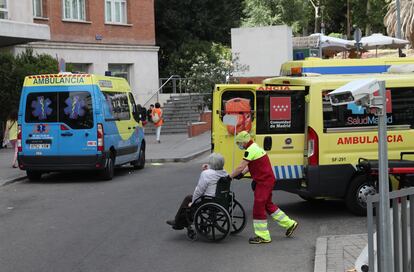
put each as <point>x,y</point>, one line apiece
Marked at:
<point>276,12</point>
<point>181,22</point>
<point>12,73</point>
<point>300,14</point>
<point>407,17</point>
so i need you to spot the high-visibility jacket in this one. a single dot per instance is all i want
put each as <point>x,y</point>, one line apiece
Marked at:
<point>260,167</point>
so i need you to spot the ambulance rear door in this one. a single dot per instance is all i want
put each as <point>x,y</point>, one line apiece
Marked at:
<point>280,127</point>
<point>237,100</point>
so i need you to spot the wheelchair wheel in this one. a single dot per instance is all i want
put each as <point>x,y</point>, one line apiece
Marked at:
<point>238,216</point>
<point>212,222</point>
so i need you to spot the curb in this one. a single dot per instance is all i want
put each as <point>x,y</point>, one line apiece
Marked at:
<point>321,254</point>
<point>13,180</point>
<point>182,159</point>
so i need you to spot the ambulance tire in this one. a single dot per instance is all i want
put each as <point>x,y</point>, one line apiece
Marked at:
<point>140,163</point>
<point>358,190</point>
<point>34,175</point>
<point>108,172</point>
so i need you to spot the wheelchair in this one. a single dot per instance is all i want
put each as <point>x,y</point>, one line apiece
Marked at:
<point>214,218</point>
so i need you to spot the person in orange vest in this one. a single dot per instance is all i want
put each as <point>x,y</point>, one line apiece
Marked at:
<point>256,161</point>
<point>158,120</point>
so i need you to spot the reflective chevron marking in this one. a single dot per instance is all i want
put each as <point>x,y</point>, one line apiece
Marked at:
<point>289,171</point>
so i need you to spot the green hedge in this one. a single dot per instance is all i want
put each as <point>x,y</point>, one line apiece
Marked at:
<point>13,69</point>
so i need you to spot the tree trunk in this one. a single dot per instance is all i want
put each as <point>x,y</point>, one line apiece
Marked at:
<point>368,13</point>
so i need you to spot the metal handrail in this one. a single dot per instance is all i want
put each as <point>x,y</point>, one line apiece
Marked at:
<point>157,91</point>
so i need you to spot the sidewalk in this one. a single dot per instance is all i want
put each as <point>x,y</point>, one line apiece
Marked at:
<point>176,147</point>
<point>338,253</point>
<point>173,148</point>
<point>7,173</point>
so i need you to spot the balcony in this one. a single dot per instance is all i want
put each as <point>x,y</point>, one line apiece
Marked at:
<point>15,32</point>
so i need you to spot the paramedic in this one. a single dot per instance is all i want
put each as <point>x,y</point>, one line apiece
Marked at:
<point>256,161</point>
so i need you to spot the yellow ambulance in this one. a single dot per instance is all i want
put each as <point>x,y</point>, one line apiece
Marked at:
<point>314,147</point>
<point>343,66</point>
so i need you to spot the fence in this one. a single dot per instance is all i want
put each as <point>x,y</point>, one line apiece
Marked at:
<point>180,85</point>
<point>402,218</point>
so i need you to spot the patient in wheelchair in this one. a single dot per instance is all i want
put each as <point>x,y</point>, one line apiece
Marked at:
<point>206,186</point>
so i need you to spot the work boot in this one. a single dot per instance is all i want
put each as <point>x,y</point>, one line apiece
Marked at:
<point>258,240</point>
<point>174,226</point>
<point>291,229</point>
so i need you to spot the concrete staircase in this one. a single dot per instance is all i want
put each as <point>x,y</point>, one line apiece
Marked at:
<point>177,112</point>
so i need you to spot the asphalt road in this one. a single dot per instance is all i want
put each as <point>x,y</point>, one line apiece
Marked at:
<point>77,223</point>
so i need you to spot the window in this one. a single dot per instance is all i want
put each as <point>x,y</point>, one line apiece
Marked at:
<point>74,10</point>
<point>79,67</point>
<point>37,8</point>
<point>241,104</point>
<point>116,11</point>
<point>71,108</point>
<point>281,112</point>
<point>76,110</point>
<point>137,115</point>
<point>400,112</point>
<point>120,70</point>
<point>3,9</point>
<point>118,106</point>
<point>42,107</point>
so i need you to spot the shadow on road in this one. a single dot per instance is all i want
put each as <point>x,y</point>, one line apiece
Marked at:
<point>80,176</point>
<point>321,209</point>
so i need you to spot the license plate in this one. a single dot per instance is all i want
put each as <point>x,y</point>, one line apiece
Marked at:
<point>39,146</point>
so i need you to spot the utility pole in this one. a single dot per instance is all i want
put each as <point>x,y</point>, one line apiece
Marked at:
<point>384,235</point>
<point>348,20</point>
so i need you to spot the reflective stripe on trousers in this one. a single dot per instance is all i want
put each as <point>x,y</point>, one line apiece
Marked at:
<point>260,229</point>
<point>282,219</point>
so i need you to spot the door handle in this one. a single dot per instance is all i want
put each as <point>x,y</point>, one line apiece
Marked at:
<point>267,144</point>
<point>67,134</point>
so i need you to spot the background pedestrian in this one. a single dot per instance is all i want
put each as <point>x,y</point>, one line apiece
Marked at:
<point>10,135</point>
<point>158,121</point>
<point>149,113</point>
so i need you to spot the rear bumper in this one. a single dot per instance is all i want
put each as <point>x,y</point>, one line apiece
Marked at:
<point>62,163</point>
<point>320,181</point>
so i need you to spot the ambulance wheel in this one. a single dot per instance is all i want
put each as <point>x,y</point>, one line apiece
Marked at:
<point>140,163</point>
<point>108,172</point>
<point>34,175</point>
<point>358,191</point>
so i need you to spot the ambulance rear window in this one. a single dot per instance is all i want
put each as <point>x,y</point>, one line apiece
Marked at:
<point>400,112</point>
<point>239,101</point>
<point>42,107</point>
<point>280,112</point>
<point>71,108</point>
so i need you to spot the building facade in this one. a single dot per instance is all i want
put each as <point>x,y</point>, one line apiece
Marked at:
<point>95,36</point>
